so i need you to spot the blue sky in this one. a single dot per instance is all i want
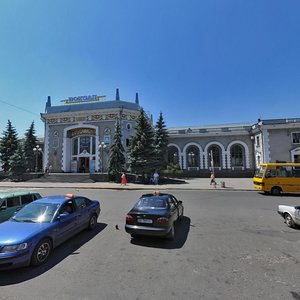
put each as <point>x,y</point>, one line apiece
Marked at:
<point>199,62</point>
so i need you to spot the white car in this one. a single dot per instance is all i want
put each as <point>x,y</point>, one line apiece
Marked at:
<point>291,214</point>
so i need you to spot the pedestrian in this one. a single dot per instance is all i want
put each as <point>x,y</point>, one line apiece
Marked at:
<point>123,179</point>
<point>146,178</point>
<point>212,179</point>
<point>155,178</point>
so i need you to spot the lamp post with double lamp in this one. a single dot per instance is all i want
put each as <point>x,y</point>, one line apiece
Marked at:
<point>212,161</point>
<point>37,150</point>
<point>175,158</point>
<point>102,146</point>
<point>192,157</point>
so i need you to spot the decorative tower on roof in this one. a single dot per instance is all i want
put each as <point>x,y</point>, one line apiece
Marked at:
<point>48,103</point>
<point>136,98</point>
<point>117,95</point>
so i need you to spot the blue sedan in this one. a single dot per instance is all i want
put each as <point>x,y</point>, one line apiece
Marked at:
<point>31,234</point>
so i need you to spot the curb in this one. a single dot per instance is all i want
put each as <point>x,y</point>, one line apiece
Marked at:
<point>129,188</point>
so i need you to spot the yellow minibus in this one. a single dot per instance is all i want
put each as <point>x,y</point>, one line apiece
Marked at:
<point>277,178</point>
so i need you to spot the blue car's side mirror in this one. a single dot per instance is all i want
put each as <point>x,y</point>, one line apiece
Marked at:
<point>63,215</point>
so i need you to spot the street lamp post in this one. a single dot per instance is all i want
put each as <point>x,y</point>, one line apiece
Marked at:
<point>102,146</point>
<point>191,159</point>
<point>212,161</point>
<point>36,150</point>
<point>175,158</point>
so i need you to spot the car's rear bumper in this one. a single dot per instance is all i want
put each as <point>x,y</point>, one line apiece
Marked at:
<point>145,230</point>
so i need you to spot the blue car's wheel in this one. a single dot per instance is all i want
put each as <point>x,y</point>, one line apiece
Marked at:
<point>93,222</point>
<point>41,252</point>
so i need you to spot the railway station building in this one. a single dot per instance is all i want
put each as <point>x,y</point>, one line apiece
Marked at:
<point>79,133</point>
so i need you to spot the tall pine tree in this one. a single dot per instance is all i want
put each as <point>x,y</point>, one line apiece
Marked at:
<point>141,150</point>
<point>8,145</point>
<point>17,164</point>
<point>161,142</point>
<point>116,155</point>
<point>29,143</point>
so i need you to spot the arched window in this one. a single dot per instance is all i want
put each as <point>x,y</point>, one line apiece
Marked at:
<point>173,156</point>
<point>84,145</point>
<point>214,154</point>
<point>192,154</point>
<point>237,156</point>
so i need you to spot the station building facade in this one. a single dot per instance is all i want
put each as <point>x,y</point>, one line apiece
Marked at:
<point>79,133</point>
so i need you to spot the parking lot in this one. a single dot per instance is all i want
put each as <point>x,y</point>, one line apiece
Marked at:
<point>230,245</point>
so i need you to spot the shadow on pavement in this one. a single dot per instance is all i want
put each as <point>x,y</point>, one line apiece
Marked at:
<point>282,194</point>
<point>8,277</point>
<point>181,233</point>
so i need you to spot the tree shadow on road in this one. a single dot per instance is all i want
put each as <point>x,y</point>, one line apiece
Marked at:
<point>181,233</point>
<point>70,247</point>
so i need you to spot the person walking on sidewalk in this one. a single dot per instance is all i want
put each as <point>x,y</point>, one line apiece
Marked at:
<point>123,179</point>
<point>212,179</point>
<point>155,178</point>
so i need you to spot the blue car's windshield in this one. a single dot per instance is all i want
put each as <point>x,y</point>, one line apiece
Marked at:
<point>36,213</point>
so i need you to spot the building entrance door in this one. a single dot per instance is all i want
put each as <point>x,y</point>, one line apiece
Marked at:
<point>297,158</point>
<point>84,165</point>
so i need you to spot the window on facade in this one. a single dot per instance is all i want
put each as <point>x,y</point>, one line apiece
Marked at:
<point>193,156</point>
<point>75,146</point>
<point>296,137</point>
<point>237,156</point>
<point>214,156</point>
<point>173,157</point>
<point>107,139</point>
<point>258,159</point>
<point>93,145</point>
<point>84,144</point>
<point>127,142</point>
<point>257,141</point>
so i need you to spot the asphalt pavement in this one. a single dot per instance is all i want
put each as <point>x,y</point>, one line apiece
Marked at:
<point>229,184</point>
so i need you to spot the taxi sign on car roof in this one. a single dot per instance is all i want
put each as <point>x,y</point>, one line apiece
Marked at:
<point>69,195</point>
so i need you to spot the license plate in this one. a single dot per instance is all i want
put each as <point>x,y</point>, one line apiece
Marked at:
<point>148,221</point>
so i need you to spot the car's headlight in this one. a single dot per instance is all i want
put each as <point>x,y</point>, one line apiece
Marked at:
<point>14,248</point>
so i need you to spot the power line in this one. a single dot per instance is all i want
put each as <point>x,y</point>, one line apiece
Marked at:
<point>20,108</point>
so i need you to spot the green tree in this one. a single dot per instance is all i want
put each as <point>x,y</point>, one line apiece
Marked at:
<point>161,142</point>
<point>116,156</point>
<point>8,145</point>
<point>141,150</point>
<point>173,169</point>
<point>29,143</point>
<point>17,164</point>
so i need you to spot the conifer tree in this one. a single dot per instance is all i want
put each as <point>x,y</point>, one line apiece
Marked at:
<point>161,142</point>
<point>116,156</point>
<point>8,145</point>
<point>17,164</point>
<point>29,143</point>
<point>141,150</point>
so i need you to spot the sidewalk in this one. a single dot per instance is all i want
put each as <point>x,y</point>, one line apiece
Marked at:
<point>239,184</point>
